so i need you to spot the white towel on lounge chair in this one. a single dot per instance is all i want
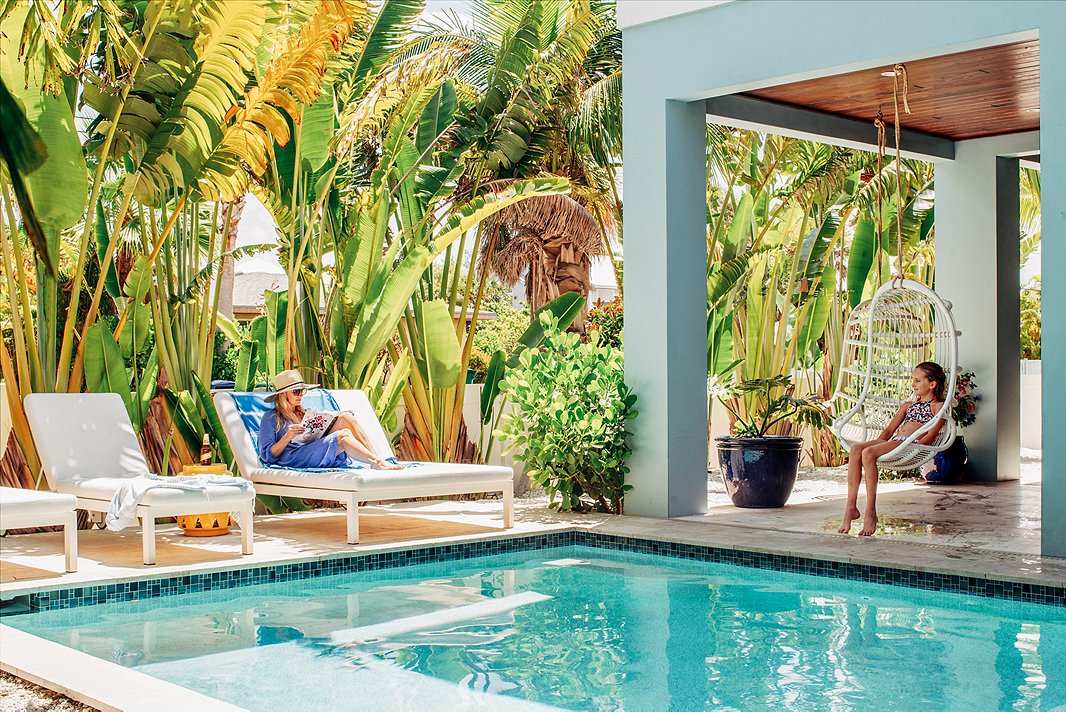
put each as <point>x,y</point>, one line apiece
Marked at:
<point>123,510</point>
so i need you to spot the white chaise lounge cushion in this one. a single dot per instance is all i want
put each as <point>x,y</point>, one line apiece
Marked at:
<point>88,448</point>
<point>27,504</point>
<point>83,435</point>
<point>418,478</point>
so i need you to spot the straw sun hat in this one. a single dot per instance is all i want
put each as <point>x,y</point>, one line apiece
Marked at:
<point>290,380</point>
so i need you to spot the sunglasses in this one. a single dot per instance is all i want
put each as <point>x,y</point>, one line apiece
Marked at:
<point>298,391</point>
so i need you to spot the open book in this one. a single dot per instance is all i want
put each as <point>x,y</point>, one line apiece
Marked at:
<point>316,422</point>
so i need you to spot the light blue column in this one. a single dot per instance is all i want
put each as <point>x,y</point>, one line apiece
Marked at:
<point>968,247</point>
<point>1053,269</point>
<point>666,297</point>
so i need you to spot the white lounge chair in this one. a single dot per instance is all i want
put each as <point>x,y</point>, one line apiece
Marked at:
<point>88,448</point>
<point>351,486</point>
<point>23,508</point>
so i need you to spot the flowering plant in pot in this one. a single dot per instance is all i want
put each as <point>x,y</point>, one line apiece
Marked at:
<point>759,469</point>
<point>949,466</point>
<point>964,405</point>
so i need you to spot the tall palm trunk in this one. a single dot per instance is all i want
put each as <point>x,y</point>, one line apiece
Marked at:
<point>225,289</point>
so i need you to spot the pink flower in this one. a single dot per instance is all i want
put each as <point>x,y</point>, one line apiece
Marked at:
<point>962,391</point>
<point>970,407</point>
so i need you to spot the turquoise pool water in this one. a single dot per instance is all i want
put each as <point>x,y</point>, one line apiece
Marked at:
<point>582,628</point>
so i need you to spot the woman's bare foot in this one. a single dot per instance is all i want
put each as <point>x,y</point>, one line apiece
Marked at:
<point>850,515</point>
<point>379,464</point>
<point>869,525</point>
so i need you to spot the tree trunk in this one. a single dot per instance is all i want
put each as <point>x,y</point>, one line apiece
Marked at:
<point>225,296</point>
<point>559,269</point>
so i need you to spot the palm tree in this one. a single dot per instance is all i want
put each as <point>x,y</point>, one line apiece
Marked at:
<point>551,241</point>
<point>546,77</point>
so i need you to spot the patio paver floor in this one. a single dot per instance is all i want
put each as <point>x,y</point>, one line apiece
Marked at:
<point>980,530</point>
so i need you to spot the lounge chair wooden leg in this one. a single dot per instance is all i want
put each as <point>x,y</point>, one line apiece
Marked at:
<point>353,518</point>
<point>508,504</point>
<point>70,541</point>
<point>148,536</point>
<point>246,529</point>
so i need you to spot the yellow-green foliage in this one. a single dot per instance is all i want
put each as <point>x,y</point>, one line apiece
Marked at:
<point>569,423</point>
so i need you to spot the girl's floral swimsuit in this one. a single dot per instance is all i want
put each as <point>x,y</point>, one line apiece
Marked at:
<point>918,412</point>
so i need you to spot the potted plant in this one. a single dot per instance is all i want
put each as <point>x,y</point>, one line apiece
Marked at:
<point>758,469</point>
<point>949,467</point>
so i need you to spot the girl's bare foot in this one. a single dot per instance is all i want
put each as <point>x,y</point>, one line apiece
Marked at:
<point>869,525</point>
<point>378,464</point>
<point>850,515</point>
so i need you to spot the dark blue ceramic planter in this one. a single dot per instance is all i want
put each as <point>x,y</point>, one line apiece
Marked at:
<point>759,472</point>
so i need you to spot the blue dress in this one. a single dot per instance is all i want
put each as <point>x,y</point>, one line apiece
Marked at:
<point>322,453</point>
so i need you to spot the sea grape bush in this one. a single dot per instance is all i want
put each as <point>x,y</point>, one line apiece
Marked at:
<point>569,421</point>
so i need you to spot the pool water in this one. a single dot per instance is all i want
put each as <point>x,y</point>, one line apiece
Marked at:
<point>581,628</point>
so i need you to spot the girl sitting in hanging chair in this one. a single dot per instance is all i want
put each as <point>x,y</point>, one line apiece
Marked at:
<point>930,385</point>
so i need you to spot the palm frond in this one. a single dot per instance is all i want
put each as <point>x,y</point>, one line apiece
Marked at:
<point>293,77</point>
<point>597,126</point>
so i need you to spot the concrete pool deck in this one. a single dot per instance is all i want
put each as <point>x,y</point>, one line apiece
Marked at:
<point>975,530</point>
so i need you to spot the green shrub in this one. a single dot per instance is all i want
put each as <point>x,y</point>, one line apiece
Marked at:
<point>479,363</point>
<point>606,317</point>
<point>501,333</point>
<point>224,361</point>
<point>569,423</point>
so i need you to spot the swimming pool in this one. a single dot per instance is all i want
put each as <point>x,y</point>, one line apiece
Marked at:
<point>582,628</point>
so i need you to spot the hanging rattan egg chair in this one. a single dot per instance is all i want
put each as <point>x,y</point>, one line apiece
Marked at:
<point>904,324</point>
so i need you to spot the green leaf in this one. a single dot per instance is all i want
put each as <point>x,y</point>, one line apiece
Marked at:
<point>247,365</point>
<point>861,259</point>
<point>565,308</point>
<point>439,346</point>
<point>723,278</point>
<point>436,117</point>
<point>316,130</point>
<point>272,336</point>
<point>213,421</point>
<point>102,242</point>
<point>57,188</point>
<point>135,335</point>
<point>146,390</point>
<point>105,371</point>
<point>815,314</point>
<point>23,152</point>
<point>740,229</point>
<point>139,280</point>
<point>491,390</point>
<point>186,417</point>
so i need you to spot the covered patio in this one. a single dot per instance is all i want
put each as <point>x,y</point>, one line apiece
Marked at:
<point>984,99</point>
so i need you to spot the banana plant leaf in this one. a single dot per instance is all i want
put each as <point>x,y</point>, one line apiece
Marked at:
<point>271,333</point>
<point>740,229</point>
<point>139,280</point>
<point>186,418</point>
<point>436,117</point>
<point>146,390</point>
<point>133,338</point>
<point>105,370</point>
<point>102,243</point>
<point>218,434</point>
<point>58,187</point>
<point>247,365</point>
<point>861,259</point>
<point>815,315</point>
<point>437,352</point>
